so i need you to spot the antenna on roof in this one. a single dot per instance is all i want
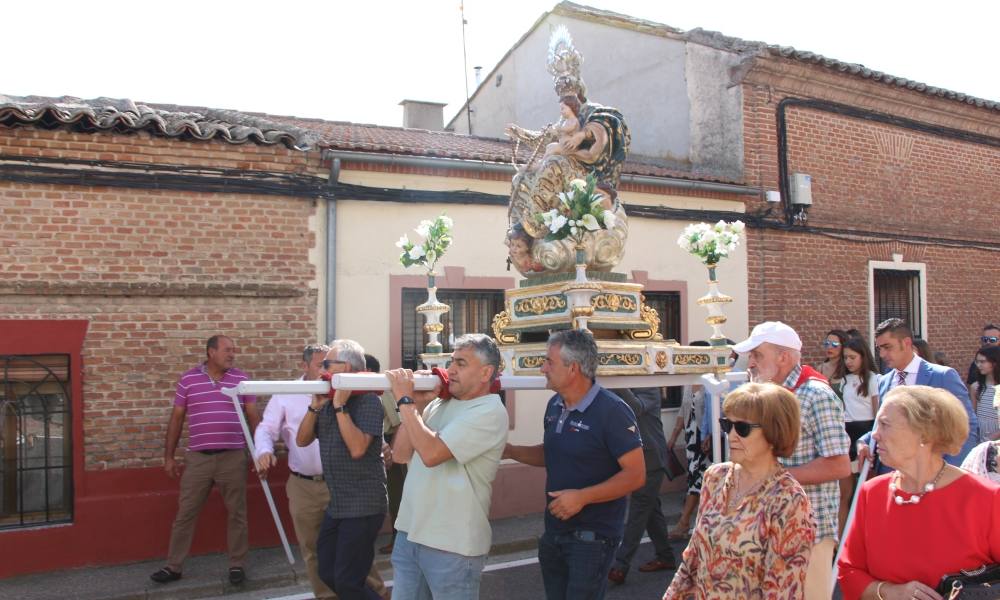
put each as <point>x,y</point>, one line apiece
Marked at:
<point>465,68</point>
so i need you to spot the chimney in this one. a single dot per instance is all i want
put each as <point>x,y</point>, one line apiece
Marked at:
<point>418,114</point>
<point>479,75</point>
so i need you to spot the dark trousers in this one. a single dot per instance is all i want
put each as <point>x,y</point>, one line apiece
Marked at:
<point>645,514</point>
<point>575,564</point>
<point>345,550</point>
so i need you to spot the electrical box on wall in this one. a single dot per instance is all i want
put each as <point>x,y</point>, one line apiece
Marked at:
<point>801,191</point>
<point>772,196</point>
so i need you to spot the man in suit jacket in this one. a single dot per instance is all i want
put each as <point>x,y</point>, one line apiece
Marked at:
<point>894,341</point>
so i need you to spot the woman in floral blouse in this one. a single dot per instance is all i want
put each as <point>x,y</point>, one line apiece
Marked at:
<point>754,529</point>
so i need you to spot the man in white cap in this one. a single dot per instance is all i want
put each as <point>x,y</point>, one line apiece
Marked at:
<point>820,460</point>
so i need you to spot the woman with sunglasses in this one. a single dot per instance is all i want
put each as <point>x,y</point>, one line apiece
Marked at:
<point>754,531</point>
<point>860,394</point>
<point>833,366</point>
<point>983,392</point>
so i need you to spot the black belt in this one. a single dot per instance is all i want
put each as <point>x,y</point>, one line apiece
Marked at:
<point>215,450</point>
<point>309,477</point>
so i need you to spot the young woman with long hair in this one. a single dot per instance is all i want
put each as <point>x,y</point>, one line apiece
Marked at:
<point>860,406</point>
<point>833,366</point>
<point>983,392</point>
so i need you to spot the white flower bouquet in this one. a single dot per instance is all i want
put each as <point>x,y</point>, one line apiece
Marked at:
<point>580,210</point>
<point>711,243</point>
<point>437,238</point>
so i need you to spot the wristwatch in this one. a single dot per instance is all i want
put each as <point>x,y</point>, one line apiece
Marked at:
<point>340,409</point>
<point>313,410</point>
<point>404,400</point>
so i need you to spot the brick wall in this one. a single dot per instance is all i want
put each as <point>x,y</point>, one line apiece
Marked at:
<point>874,178</point>
<point>156,272</point>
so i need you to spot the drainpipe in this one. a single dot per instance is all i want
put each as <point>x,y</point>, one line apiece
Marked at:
<point>331,256</point>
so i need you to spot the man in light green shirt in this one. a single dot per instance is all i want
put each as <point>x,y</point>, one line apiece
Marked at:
<point>453,448</point>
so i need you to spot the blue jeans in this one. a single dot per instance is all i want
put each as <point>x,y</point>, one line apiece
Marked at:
<point>424,573</point>
<point>575,564</point>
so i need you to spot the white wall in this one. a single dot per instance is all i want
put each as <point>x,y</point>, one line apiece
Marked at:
<point>674,94</point>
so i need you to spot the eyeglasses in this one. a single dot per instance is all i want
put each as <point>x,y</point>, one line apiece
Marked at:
<point>742,427</point>
<point>829,344</point>
<point>329,363</point>
<point>989,339</point>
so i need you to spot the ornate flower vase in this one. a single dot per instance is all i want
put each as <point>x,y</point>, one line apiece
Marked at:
<point>580,291</point>
<point>432,310</point>
<point>714,301</point>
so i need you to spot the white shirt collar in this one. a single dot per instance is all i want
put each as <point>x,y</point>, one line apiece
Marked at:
<point>914,366</point>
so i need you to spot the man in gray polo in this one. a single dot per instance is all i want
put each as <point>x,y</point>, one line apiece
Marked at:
<point>349,428</point>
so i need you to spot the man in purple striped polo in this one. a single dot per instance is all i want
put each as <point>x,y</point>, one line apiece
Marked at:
<point>216,456</point>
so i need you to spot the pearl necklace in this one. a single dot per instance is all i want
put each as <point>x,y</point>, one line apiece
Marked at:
<point>915,498</point>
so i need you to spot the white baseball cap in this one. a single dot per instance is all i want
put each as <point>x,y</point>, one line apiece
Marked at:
<point>774,332</point>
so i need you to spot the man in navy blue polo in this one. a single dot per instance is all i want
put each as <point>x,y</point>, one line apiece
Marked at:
<point>592,454</point>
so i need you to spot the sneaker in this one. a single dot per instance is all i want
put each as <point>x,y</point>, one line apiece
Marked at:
<point>165,575</point>
<point>237,575</point>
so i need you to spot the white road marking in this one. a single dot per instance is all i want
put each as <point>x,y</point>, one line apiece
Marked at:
<point>511,564</point>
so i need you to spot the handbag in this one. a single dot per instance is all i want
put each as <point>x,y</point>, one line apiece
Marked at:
<point>983,582</point>
<point>674,468</point>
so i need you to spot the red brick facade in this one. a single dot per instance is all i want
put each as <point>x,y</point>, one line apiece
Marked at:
<point>156,272</point>
<point>872,182</point>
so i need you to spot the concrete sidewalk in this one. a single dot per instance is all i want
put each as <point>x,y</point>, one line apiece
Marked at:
<point>206,576</point>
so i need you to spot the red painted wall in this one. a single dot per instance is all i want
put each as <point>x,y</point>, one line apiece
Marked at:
<point>119,515</point>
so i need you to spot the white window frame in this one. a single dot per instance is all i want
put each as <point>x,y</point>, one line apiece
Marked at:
<point>896,264</point>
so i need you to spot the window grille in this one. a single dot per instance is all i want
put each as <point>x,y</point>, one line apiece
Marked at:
<point>897,294</point>
<point>36,462</point>
<point>471,312</point>
<point>668,306</point>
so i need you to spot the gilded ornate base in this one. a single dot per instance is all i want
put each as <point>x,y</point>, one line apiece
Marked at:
<point>615,305</point>
<point>626,357</point>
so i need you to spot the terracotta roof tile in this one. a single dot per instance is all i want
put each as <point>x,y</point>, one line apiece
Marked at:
<point>112,114</point>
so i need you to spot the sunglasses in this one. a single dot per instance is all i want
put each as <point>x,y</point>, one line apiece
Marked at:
<point>829,344</point>
<point>743,428</point>
<point>329,363</point>
<point>989,339</point>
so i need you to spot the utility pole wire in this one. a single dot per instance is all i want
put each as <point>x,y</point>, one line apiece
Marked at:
<point>465,68</point>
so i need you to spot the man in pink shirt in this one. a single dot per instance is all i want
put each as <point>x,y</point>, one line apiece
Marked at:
<point>216,456</point>
<point>308,495</point>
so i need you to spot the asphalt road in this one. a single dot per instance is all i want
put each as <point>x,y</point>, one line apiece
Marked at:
<point>508,577</point>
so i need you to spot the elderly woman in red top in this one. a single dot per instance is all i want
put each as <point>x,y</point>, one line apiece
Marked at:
<point>928,518</point>
<point>754,531</point>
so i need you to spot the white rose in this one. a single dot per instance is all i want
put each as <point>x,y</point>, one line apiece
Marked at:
<point>610,220</point>
<point>403,241</point>
<point>416,252</point>
<point>590,222</point>
<point>578,185</point>
<point>720,226</point>
<point>424,228</point>
<point>446,221</point>
<point>573,230</point>
<point>557,223</point>
<point>737,227</point>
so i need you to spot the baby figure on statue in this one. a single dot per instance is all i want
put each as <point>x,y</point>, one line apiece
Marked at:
<point>568,128</point>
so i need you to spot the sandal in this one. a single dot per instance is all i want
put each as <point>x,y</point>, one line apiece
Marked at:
<point>165,575</point>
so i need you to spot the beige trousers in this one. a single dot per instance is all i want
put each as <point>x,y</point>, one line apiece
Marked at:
<point>820,570</point>
<point>228,470</point>
<point>307,501</point>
